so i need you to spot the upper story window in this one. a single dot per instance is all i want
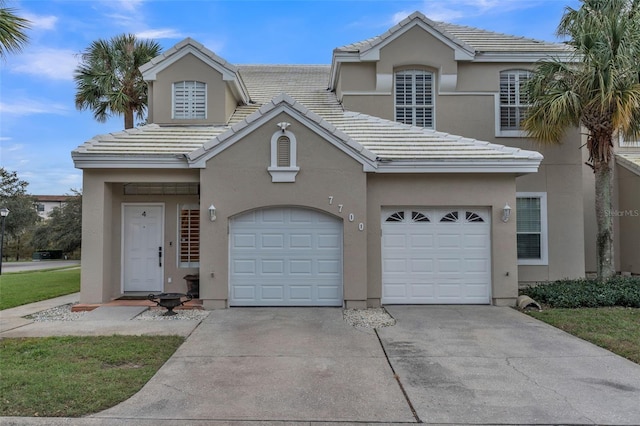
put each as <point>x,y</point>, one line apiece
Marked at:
<point>414,98</point>
<point>514,100</point>
<point>189,100</point>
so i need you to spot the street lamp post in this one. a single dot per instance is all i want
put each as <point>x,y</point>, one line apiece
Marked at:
<point>4,212</point>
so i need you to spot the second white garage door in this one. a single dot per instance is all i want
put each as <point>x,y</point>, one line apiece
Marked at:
<point>285,257</point>
<point>436,255</point>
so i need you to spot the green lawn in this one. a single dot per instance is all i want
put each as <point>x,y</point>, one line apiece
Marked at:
<point>20,288</point>
<point>76,376</point>
<point>616,329</point>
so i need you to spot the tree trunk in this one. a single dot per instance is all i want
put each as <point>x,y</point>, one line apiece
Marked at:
<point>604,218</point>
<point>128,119</point>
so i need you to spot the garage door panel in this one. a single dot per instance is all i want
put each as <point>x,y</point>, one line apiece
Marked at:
<point>272,267</point>
<point>418,241</point>
<point>272,216</point>
<point>271,292</point>
<point>299,258</point>
<point>244,266</point>
<point>449,241</point>
<point>421,265</point>
<point>300,241</point>
<point>244,241</point>
<point>436,255</point>
<point>394,240</point>
<point>329,241</point>
<point>272,241</point>
<point>301,267</point>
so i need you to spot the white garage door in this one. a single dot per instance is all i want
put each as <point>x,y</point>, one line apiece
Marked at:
<point>285,257</point>
<point>440,256</point>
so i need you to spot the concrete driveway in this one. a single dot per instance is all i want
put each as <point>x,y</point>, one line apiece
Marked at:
<point>438,365</point>
<point>273,364</point>
<point>490,365</point>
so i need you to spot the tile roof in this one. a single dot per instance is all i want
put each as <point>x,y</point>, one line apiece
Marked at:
<point>307,85</point>
<point>468,38</point>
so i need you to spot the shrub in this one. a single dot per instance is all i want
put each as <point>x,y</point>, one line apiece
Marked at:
<point>587,293</point>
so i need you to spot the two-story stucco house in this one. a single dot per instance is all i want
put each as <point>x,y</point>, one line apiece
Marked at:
<point>396,175</point>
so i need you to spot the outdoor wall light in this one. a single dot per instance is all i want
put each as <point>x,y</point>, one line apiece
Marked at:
<point>506,213</point>
<point>212,213</point>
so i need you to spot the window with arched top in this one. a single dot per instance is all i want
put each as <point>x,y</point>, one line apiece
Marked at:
<point>283,166</point>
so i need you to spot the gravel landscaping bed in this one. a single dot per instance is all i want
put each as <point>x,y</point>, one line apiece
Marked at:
<point>63,313</point>
<point>368,318</point>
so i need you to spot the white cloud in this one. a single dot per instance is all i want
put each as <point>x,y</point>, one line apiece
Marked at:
<point>24,106</point>
<point>159,33</point>
<point>55,64</point>
<point>126,5</point>
<point>41,22</point>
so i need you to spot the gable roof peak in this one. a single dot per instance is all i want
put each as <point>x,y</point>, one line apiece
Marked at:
<point>187,46</point>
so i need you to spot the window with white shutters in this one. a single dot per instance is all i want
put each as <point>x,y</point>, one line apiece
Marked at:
<point>414,98</point>
<point>190,100</point>
<point>514,100</point>
<point>189,236</point>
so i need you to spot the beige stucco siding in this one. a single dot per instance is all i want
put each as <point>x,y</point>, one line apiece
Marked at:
<point>190,68</point>
<point>447,190</point>
<point>102,229</point>
<point>628,214</point>
<point>358,76</point>
<point>417,47</point>
<point>236,181</point>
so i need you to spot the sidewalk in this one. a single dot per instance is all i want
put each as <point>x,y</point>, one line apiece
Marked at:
<point>103,321</point>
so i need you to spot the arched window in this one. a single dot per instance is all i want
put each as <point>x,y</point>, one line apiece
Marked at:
<point>283,166</point>
<point>414,98</point>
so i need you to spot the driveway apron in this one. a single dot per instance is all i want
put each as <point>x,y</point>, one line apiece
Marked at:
<point>295,364</point>
<point>491,365</point>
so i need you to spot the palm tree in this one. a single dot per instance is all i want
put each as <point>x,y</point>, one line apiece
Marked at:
<point>108,80</point>
<point>599,90</point>
<point>12,31</point>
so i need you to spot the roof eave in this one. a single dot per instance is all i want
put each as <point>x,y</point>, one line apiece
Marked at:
<point>528,57</point>
<point>128,161</point>
<point>516,166</point>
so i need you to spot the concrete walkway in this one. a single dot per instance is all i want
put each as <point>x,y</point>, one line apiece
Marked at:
<point>439,365</point>
<point>103,321</point>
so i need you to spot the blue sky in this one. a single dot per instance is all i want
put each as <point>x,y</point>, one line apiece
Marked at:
<point>39,125</point>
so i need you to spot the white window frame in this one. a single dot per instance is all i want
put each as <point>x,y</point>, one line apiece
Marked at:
<point>180,263</point>
<point>519,133</point>
<point>280,173</point>
<point>622,143</point>
<point>190,102</point>
<point>413,106</point>
<point>544,236</point>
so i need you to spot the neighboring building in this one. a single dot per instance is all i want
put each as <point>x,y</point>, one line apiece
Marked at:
<point>45,204</point>
<point>340,185</point>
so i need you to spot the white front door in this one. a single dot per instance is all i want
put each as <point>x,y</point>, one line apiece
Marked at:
<point>142,248</point>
